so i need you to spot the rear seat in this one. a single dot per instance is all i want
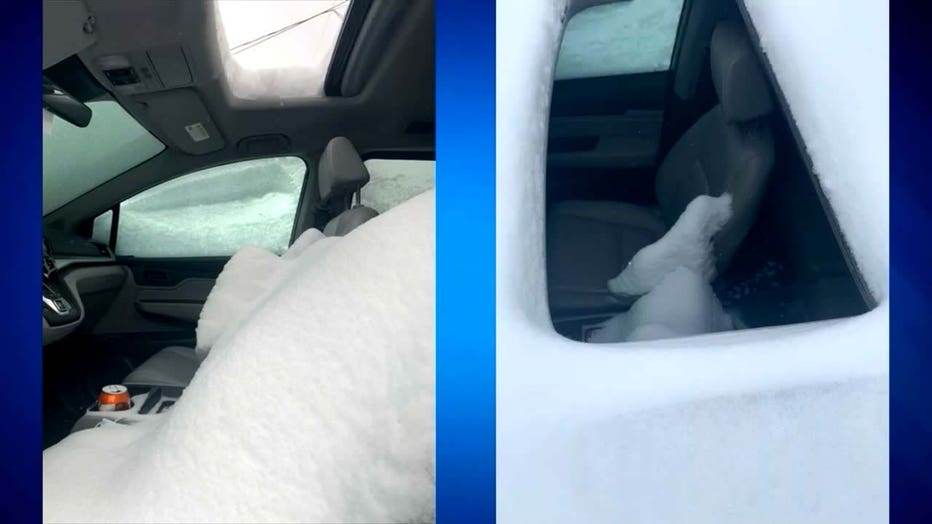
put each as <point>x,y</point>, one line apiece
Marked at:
<point>341,176</point>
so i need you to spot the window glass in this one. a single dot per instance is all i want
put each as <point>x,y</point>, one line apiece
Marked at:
<point>622,38</point>
<point>102,223</point>
<point>391,182</point>
<point>213,212</point>
<point>279,49</point>
<point>78,159</point>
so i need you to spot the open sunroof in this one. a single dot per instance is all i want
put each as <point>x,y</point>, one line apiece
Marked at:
<point>279,49</point>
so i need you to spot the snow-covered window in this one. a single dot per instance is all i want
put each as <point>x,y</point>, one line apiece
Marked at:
<point>278,49</point>
<point>391,181</point>
<point>213,212</point>
<point>621,38</point>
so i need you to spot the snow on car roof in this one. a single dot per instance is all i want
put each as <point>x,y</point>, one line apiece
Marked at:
<point>591,432</point>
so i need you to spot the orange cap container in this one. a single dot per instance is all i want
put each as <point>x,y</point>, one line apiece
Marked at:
<point>114,397</point>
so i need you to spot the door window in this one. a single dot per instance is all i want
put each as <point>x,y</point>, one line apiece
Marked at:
<point>212,212</point>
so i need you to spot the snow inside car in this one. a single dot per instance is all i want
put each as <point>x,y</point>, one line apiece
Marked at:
<point>702,189</point>
<point>238,228</point>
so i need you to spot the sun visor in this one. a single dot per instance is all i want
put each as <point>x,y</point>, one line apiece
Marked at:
<point>183,119</point>
<point>68,29</point>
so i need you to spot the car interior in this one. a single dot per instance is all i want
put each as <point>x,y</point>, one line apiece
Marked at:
<point>629,148</point>
<point>176,169</point>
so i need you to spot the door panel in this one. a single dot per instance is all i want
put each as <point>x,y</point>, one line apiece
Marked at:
<point>159,303</point>
<point>608,122</point>
<point>173,288</point>
<point>629,140</point>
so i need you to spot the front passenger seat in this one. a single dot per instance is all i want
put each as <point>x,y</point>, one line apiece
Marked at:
<point>341,175</point>
<point>728,150</point>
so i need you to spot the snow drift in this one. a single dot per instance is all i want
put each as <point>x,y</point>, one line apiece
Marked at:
<point>674,272</point>
<point>772,425</point>
<point>319,407</point>
<point>688,244</point>
<point>682,304</point>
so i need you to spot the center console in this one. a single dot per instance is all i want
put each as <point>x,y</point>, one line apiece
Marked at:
<point>59,306</point>
<point>144,406</point>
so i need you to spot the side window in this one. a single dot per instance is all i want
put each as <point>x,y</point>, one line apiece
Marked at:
<point>392,182</point>
<point>213,212</point>
<point>621,38</point>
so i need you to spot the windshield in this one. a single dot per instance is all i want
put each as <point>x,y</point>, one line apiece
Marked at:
<point>76,160</point>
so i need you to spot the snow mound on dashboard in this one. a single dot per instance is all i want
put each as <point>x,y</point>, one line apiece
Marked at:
<point>318,408</point>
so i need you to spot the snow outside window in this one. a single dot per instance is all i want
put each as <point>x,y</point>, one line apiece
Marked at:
<point>213,212</point>
<point>621,38</point>
<point>391,182</point>
<point>278,49</point>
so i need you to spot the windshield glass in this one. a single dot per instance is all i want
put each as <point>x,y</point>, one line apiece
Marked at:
<point>76,160</point>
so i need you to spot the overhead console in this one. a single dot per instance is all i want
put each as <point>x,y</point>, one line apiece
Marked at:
<point>147,71</point>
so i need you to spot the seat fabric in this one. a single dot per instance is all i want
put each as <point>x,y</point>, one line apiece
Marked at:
<point>173,367</point>
<point>587,244</point>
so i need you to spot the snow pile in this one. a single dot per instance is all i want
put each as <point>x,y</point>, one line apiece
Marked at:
<point>682,304</point>
<point>688,244</point>
<point>246,280</point>
<point>674,272</point>
<point>318,408</point>
<point>392,181</point>
<point>246,276</point>
<point>278,49</point>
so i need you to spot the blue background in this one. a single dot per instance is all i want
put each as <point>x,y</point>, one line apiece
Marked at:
<point>21,268</point>
<point>465,263</point>
<point>911,265</point>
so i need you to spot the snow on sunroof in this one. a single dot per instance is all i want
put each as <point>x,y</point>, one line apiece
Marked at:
<point>278,49</point>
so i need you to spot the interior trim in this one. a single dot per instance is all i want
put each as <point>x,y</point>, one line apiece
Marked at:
<point>345,43</point>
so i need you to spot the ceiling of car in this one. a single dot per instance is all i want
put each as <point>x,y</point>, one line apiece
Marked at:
<point>386,88</point>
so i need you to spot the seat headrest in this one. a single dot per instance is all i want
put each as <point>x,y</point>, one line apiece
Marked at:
<point>739,80</point>
<point>340,171</point>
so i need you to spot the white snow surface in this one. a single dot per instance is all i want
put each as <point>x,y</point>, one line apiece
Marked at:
<point>832,58</point>
<point>247,279</point>
<point>770,425</point>
<point>318,408</point>
<point>246,276</point>
<point>291,65</point>
<point>681,304</point>
<point>687,244</point>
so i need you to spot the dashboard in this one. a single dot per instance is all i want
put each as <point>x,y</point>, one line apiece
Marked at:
<point>70,265</point>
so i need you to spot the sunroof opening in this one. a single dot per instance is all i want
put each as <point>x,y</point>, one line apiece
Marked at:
<point>278,49</point>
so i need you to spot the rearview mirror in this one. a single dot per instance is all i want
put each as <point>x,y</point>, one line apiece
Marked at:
<point>65,106</point>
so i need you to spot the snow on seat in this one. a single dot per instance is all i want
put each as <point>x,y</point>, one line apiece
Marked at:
<point>319,407</point>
